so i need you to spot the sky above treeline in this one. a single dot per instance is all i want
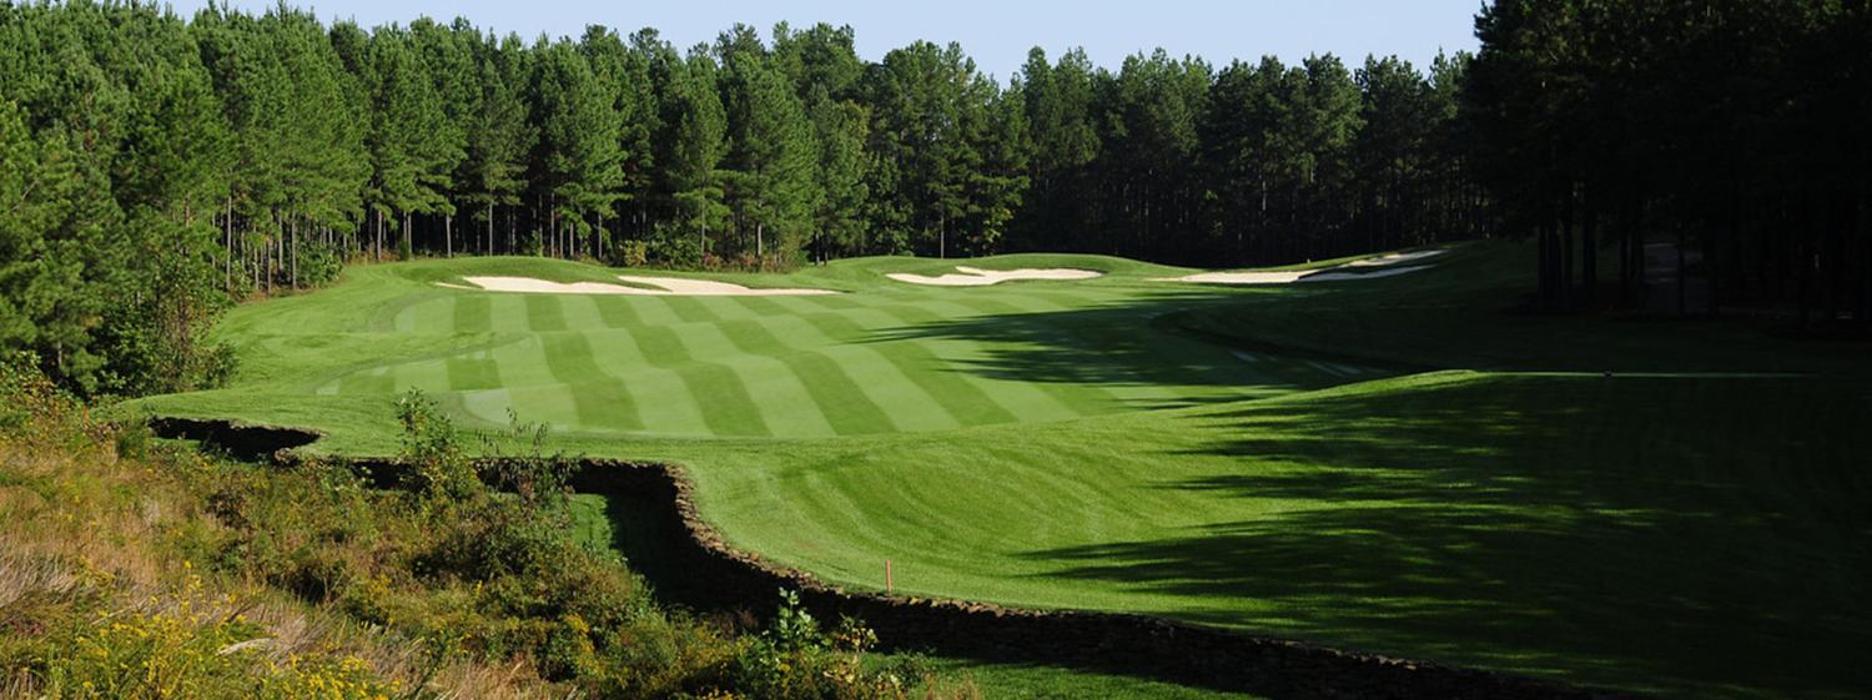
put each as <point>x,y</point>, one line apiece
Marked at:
<point>996,33</point>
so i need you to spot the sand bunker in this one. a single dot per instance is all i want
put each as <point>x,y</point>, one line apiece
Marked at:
<point>1394,258</point>
<point>652,287</point>
<point>977,277</point>
<point>1241,277</point>
<point>1347,276</point>
<point>1330,274</point>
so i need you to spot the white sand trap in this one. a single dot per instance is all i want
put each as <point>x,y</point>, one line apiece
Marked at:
<point>1288,277</point>
<point>1347,276</point>
<point>653,287</point>
<point>977,277</point>
<point>1395,258</point>
<point>1330,274</point>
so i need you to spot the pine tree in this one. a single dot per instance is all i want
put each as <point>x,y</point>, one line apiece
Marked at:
<point>998,186</point>
<point>1390,152</point>
<point>578,152</point>
<point>500,136</point>
<point>919,143</point>
<point>840,128</point>
<point>45,233</point>
<point>447,55</point>
<point>698,144</point>
<point>414,148</point>
<point>772,157</point>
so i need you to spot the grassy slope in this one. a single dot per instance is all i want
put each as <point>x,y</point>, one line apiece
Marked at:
<point>1647,532</point>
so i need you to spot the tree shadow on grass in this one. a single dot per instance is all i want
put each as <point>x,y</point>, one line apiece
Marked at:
<point>1131,343</point>
<point>1690,536</point>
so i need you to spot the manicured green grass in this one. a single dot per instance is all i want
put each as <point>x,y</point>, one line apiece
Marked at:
<point>1284,460</point>
<point>1006,681</point>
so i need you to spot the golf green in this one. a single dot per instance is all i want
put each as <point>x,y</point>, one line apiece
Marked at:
<point>1395,464</point>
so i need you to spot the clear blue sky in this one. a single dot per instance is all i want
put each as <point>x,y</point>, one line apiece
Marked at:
<point>997,33</point>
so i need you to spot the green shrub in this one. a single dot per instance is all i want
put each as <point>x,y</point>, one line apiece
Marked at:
<point>435,465</point>
<point>318,264</point>
<point>633,253</point>
<point>794,658</point>
<point>669,246</point>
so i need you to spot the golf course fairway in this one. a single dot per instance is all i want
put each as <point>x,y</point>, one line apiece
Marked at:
<point>1400,464</point>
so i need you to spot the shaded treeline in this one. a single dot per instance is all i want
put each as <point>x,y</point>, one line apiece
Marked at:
<point>1733,132</point>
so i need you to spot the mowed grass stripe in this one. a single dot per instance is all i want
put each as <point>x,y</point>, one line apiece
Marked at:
<point>544,313</point>
<point>431,376</point>
<point>881,379</point>
<point>1069,399</point>
<point>473,371</point>
<point>985,306</point>
<point>474,313</point>
<point>916,398</point>
<point>981,400</point>
<point>691,310</point>
<point>377,380</point>
<point>727,308</point>
<point>761,307</point>
<point>600,400</point>
<point>524,363</point>
<point>432,316</point>
<point>840,402</point>
<point>725,405</point>
<point>666,405</point>
<point>842,326</point>
<point>787,406</point>
<point>508,313</point>
<point>1030,303</point>
<point>581,313</point>
<point>617,313</point>
<point>834,302</point>
<point>906,403</point>
<point>964,400</point>
<point>653,311</point>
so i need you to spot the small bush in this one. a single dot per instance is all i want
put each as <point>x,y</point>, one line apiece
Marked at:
<point>319,264</point>
<point>630,254</point>
<point>670,246</point>
<point>436,466</point>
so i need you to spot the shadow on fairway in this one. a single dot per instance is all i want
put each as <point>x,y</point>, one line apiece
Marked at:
<point>1137,343</point>
<point>1691,536</point>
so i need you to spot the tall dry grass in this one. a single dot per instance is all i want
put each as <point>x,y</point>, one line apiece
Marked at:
<point>89,538</point>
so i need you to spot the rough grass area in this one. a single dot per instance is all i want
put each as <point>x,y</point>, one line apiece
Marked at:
<point>1402,465</point>
<point>101,594</point>
<point>130,569</point>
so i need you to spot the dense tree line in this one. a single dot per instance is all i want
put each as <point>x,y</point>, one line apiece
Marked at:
<point>176,165</point>
<point>157,168</point>
<point>1734,132</point>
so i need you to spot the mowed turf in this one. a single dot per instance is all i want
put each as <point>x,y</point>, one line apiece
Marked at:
<point>816,366</point>
<point>1283,460</point>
